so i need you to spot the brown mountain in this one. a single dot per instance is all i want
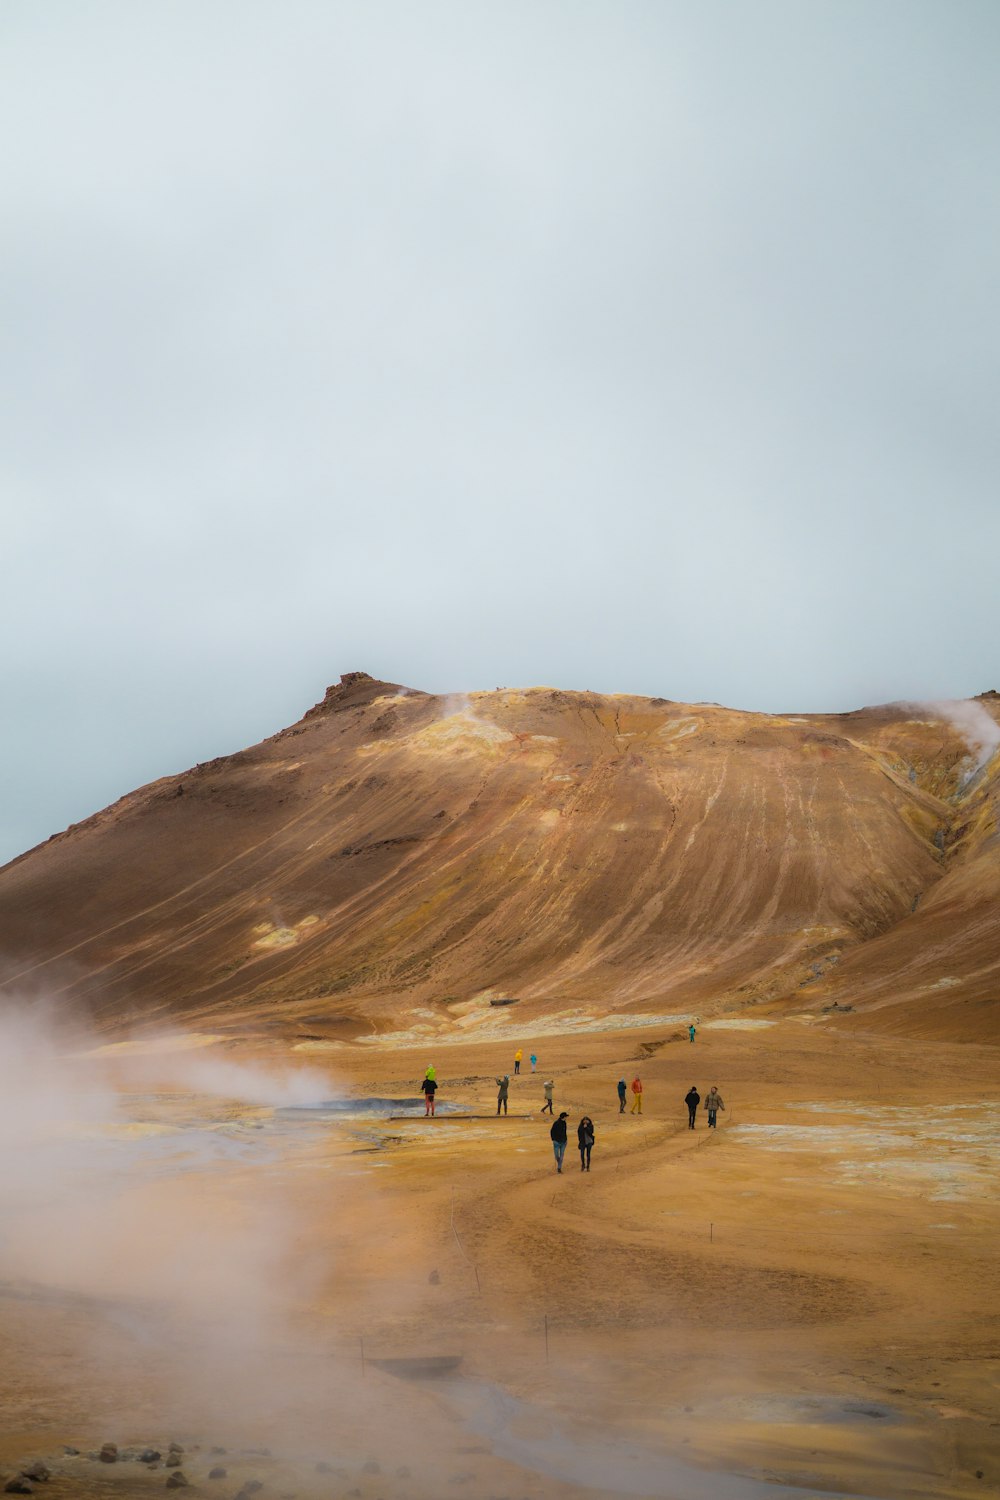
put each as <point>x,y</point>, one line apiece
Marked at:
<point>395,860</point>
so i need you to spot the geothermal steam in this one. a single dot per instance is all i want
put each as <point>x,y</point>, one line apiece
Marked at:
<point>979,730</point>
<point>170,1244</point>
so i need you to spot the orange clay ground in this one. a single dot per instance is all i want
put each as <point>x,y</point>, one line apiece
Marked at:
<point>804,1303</point>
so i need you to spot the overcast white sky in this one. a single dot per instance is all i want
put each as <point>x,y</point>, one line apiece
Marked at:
<point>644,347</point>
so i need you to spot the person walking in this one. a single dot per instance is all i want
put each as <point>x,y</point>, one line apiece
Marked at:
<point>692,1099</point>
<point>503,1084</point>
<point>547,1088</point>
<point>636,1096</point>
<point>713,1103</point>
<point>558,1136</point>
<point>517,1061</point>
<point>533,1060</point>
<point>691,1032</point>
<point>429,1087</point>
<point>585,1140</point>
<point>622,1091</point>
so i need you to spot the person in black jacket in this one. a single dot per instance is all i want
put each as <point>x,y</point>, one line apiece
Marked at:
<point>558,1135</point>
<point>429,1087</point>
<point>585,1140</point>
<point>692,1099</point>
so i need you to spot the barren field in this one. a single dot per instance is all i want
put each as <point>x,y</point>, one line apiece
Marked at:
<point>802,1303</point>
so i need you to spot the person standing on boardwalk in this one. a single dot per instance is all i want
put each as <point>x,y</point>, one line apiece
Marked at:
<point>692,1099</point>
<point>517,1061</point>
<point>691,1032</point>
<point>622,1091</point>
<point>558,1135</point>
<point>503,1084</point>
<point>585,1140</point>
<point>533,1060</point>
<point>547,1087</point>
<point>713,1103</point>
<point>429,1087</point>
<point>636,1096</point>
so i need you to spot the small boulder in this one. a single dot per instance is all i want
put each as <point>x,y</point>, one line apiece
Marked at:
<point>176,1480</point>
<point>172,1461</point>
<point>108,1453</point>
<point>37,1470</point>
<point>217,1473</point>
<point>150,1456</point>
<point>175,1448</point>
<point>19,1486</point>
<point>71,1452</point>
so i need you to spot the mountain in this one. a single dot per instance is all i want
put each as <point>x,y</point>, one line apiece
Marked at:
<point>396,859</point>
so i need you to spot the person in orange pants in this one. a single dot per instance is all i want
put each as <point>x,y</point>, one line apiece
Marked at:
<point>636,1096</point>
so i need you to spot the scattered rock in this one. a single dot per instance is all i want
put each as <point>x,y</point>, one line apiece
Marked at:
<point>108,1453</point>
<point>172,1461</point>
<point>175,1448</point>
<point>250,1487</point>
<point>71,1452</point>
<point>37,1470</point>
<point>176,1481</point>
<point>216,1450</point>
<point>217,1473</point>
<point>19,1486</point>
<point>150,1456</point>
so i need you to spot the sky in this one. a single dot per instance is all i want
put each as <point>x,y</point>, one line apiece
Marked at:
<point>635,347</point>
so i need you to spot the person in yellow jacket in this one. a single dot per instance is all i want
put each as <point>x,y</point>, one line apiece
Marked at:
<point>517,1060</point>
<point>636,1096</point>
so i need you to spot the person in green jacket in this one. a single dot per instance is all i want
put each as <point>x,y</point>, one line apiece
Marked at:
<point>503,1084</point>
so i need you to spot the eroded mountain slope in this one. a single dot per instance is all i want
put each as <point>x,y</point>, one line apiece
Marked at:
<point>398,855</point>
